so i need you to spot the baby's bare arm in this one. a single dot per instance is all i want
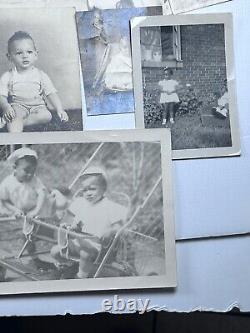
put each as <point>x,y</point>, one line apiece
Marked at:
<point>57,105</point>
<point>8,112</point>
<point>40,201</point>
<point>10,207</point>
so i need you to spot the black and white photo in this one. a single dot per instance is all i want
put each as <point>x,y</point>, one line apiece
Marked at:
<point>184,80</point>
<point>40,86</point>
<point>90,212</point>
<point>182,6</point>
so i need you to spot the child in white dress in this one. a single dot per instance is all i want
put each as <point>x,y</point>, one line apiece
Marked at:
<point>168,96</point>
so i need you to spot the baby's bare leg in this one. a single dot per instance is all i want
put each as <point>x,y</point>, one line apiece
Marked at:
<point>55,253</point>
<point>16,125</point>
<point>86,262</point>
<point>38,115</point>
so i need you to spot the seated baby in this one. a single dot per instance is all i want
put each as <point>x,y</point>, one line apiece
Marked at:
<point>95,216</point>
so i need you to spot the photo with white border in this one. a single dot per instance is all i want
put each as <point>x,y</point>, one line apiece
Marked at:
<point>40,87</point>
<point>90,211</point>
<point>183,69</point>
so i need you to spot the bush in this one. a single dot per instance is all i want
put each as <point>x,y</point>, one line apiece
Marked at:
<point>189,102</point>
<point>152,108</point>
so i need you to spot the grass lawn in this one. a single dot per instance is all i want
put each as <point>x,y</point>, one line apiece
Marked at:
<point>199,130</point>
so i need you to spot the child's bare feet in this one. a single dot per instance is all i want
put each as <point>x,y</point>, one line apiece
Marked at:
<point>63,116</point>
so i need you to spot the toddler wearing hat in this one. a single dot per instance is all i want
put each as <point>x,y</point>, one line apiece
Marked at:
<point>22,192</point>
<point>23,195</point>
<point>94,214</point>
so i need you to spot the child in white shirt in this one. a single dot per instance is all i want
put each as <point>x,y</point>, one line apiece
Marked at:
<point>22,192</point>
<point>94,214</point>
<point>24,89</point>
<point>169,96</point>
<point>221,110</point>
<point>23,195</point>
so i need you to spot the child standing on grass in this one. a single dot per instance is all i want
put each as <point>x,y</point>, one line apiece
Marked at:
<point>169,97</point>
<point>24,88</point>
<point>94,214</point>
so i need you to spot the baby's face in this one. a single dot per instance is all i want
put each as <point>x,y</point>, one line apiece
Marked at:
<point>23,54</point>
<point>24,171</point>
<point>92,189</point>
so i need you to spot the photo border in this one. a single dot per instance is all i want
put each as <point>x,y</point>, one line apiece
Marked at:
<point>190,19</point>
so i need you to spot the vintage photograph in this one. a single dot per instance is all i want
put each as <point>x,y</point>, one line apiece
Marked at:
<point>92,214</point>
<point>104,38</point>
<point>182,6</point>
<point>77,4</point>
<point>40,86</point>
<point>184,80</point>
<point>118,4</point>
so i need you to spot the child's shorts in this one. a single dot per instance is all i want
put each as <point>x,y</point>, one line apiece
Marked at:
<point>24,110</point>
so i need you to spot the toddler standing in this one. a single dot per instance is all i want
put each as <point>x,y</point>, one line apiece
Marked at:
<point>169,96</point>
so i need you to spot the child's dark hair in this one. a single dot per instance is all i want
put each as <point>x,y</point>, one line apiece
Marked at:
<point>168,71</point>
<point>31,159</point>
<point>99,177</point>
<point>19,35</point>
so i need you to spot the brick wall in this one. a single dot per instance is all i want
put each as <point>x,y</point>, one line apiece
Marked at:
<point>204,63</point>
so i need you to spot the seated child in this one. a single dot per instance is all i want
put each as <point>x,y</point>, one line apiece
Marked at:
<point>94,214</point>
<point>223,104</point>
<point>22,193</point>
<point>24,89</point>
<point>169,97</point>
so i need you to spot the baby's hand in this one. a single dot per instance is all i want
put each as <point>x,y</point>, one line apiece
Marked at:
<point>9,114</point>
<point>18,213</point>
<point>63,115</point>
<point>31,215</point>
